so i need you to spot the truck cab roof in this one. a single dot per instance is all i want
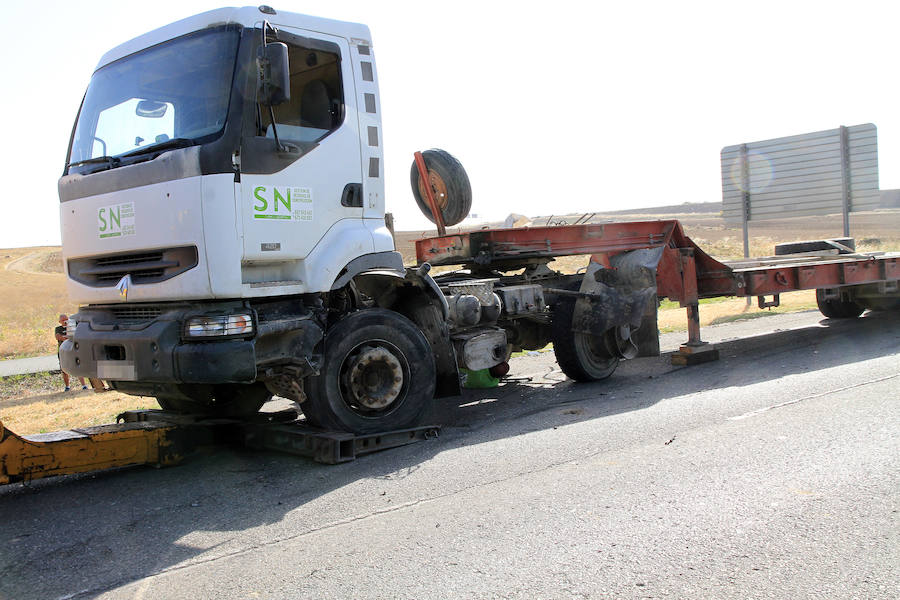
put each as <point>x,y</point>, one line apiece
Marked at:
<point>247,16</point>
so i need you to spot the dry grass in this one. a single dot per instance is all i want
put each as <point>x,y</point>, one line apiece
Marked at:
<point>36,404</point>
<point>733,309</point>
<point>33,296</point>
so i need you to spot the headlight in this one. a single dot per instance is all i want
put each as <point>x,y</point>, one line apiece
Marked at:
<point>70,327</point>
<point>219,326</point>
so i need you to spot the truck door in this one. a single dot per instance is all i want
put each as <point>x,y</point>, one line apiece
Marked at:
<point>288,200</point>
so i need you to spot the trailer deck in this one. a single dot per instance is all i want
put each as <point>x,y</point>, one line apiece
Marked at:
<point>505,248</point>
<point>685,273</point>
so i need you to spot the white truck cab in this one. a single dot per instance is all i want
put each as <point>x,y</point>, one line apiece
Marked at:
<point>173,160</point>
<point>222,208</point>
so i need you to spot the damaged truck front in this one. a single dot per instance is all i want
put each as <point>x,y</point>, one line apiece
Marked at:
<point>222,210</point>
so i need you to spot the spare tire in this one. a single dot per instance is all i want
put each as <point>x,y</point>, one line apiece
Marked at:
<point>449,184</point>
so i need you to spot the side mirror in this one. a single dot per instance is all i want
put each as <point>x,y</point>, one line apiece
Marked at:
<point>274,74</point>
<point>150,109</point>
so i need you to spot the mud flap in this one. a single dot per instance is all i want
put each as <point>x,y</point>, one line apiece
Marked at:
<point>622,306</point>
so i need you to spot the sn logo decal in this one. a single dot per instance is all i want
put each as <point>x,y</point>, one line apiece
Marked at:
<point>282,203</point>
<point>115,221</point>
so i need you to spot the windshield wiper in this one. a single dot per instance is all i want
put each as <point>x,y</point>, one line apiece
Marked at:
<point>166,145</point>
<point>109,161</point>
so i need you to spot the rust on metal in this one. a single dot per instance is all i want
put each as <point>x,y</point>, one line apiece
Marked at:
<point>757,277</point>
<point>428,181</point>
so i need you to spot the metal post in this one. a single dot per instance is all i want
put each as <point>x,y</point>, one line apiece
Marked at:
<point>695,350</point>
<point>745,205</point>
<point>690,300</point>
<point>845,179</point>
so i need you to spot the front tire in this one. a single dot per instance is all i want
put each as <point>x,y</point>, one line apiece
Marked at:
<point>378,374</point>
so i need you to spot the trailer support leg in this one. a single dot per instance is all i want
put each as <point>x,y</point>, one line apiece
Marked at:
<point>695,351</point>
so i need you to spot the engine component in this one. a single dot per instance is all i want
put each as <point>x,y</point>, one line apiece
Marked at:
<point>481,349</point>
<point>480,288</point>
<point>465,310</point>
<point>491,312</point>
<point>521,299</point>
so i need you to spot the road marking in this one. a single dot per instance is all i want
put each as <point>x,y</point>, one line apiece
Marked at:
<point>796,400</point>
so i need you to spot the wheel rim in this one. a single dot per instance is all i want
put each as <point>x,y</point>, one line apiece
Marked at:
<point>438,188</point>
<point>374,378</point>
<point>594,355</point>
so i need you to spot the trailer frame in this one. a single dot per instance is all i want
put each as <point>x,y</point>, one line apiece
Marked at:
<point>685,273</point>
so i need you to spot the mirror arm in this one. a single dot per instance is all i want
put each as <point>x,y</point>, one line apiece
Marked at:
<point>278,144</point>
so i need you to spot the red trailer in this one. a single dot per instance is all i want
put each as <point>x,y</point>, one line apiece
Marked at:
<point>846,282</point>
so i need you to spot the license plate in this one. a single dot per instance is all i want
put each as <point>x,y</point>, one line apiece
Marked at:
<point>116,370</point>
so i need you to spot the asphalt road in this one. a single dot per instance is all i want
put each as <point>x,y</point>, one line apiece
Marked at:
<point>772,473</point>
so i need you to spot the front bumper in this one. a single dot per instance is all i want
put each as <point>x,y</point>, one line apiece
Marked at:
<point>154,353</point>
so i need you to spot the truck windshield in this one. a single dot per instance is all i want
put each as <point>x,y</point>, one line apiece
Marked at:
<point>174,94</point>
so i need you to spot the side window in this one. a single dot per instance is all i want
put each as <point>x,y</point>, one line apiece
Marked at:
<point>317,97</point>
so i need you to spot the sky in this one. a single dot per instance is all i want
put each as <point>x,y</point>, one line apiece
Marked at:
<point>552,108</point>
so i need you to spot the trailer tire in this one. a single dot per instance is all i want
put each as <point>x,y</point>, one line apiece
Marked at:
<point>837,309</point>
<point>450,184</point>
<point>581,356</point>
<point>377,374</point>
<point>226,400</point>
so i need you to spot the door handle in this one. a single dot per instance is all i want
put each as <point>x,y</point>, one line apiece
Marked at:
<point>352,196</point>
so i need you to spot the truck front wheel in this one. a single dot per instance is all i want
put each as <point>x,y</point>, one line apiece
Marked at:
<point>378,374</point>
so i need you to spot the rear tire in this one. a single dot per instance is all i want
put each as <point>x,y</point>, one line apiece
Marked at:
<point>581,356</point>
<point>837,309</point>
<point>378,374</point>
<point>449,183</point>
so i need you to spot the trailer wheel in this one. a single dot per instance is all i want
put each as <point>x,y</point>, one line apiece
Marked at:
<point>449,184</point>
<point>378,374</point>
<point>581,356</point>
<point>226,400</point>
<point>837,309</point>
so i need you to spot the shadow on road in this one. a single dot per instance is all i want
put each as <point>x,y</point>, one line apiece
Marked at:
<point>79,536</point>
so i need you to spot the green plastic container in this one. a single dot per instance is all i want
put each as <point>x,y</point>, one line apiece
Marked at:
<point>478,380</point>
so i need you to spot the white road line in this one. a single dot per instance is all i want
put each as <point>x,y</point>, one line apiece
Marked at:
<point>819,395</point>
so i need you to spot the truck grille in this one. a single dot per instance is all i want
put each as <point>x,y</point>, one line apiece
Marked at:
<point>135,314</point>
<point>146,266</point>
